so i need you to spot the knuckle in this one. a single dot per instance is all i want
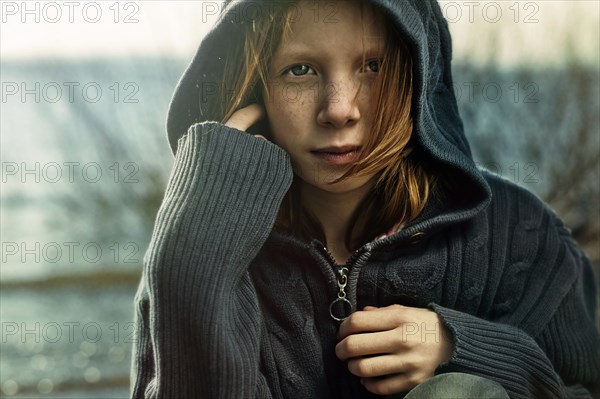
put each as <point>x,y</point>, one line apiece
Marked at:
<point>349,344</point>
<point>341,349</point>
<point>360,368</point>
<point>398,340</point>
<point>354,321</point>
<point>411,342</point>
<point>354,367</point>
<point>398,316</point>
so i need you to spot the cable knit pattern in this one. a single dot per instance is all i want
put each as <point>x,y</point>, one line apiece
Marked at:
<point>229,307</point>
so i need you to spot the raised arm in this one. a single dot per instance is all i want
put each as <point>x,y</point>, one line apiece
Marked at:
<point>197,311</point>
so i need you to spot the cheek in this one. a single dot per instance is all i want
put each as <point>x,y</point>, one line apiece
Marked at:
<point>280,125</point>
<point>289,121</point>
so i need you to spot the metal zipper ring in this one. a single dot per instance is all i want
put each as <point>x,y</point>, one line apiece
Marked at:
<point>339,299</point>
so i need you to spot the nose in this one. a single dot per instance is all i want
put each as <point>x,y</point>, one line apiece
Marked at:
<point>339,107</point>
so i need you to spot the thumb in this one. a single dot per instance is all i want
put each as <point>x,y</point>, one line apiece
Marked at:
<point>370,308</point>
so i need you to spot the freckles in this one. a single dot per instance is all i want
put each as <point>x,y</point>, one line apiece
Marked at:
<point>284,125</point>
<point>292,111</point>
<point>277,102</point>
<point>292,114</point>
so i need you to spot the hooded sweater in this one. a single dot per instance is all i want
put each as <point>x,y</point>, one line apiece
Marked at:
<point>229,307</point>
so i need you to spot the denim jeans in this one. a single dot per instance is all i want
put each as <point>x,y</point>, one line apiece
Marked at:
<point>455,386</point>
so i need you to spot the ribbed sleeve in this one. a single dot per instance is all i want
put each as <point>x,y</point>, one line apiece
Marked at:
<point>198,313</point>
<point>502,353</point>
<point>565,352</point>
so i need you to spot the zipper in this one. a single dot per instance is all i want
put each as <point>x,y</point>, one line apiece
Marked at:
<point>342,280</point>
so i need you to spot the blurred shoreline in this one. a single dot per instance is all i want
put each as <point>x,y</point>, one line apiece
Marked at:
<point>98,278</point>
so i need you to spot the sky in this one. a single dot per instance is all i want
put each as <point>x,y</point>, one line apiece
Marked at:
<point>507,32</point>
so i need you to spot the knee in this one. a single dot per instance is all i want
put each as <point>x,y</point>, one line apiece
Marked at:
<point>457,386</point>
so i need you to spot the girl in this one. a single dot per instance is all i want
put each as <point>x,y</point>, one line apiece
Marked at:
<point>348,247</point>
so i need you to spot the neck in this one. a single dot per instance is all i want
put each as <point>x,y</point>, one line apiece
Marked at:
<point>334,211</point>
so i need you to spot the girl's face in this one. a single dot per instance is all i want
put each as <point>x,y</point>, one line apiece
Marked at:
<point>314,104</point>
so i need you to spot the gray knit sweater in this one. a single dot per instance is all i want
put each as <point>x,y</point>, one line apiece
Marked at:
<point>229,307</point>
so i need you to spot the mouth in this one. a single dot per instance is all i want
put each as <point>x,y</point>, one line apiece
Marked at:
<point>337,155</point>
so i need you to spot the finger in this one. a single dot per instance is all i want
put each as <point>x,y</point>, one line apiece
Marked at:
<point>392,384</point>
<point>243,118</point>
<point>379,319</point>
<point>259,136</point>
<point>377,366</point>
<point>366,344</point>
<point>370,308</point>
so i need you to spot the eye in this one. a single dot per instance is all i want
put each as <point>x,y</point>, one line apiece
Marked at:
<point>373,66</point>
<point>299,70</point>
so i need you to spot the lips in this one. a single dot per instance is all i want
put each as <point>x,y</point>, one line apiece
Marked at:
<point>338,150</point>
<point>337,155</point>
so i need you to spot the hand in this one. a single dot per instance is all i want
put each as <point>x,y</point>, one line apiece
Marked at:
<point>243,118</point>
<point>394,348</point>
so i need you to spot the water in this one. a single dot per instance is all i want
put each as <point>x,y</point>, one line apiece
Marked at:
<point>72,243</point>
<point>68,338</point>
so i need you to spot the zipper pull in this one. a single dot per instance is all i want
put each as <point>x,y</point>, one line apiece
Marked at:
<point>342,280</point>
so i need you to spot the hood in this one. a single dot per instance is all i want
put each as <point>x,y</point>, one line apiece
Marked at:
<point>438,128</point>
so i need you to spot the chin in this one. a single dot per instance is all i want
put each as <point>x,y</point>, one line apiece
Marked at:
<point>338,188</point>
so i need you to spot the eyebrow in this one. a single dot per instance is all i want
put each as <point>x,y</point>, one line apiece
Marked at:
<point>303,51</point>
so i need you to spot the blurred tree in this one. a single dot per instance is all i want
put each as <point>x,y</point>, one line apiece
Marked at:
<point>542,131</point>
